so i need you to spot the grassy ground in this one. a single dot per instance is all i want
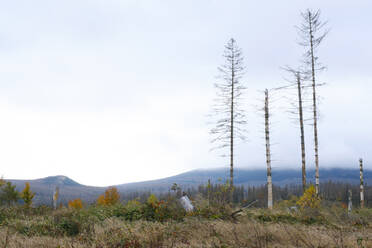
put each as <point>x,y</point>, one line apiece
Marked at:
<point>109,227</point>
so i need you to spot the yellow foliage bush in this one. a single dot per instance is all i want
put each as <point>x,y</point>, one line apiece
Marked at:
<point>75,204</point>
<point>110,197</point>
<point>152,201</point>
<point>309,199</point>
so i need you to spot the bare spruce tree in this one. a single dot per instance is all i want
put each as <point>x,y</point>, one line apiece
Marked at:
<point>298,110</point>
<point>312,33</point>
<point>302,130</point>
<point>228,111</point>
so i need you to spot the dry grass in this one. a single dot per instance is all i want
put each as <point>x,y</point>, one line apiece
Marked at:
<point>194,232</point>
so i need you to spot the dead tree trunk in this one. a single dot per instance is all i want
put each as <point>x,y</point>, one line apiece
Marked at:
<point>361,184</point>
<point>301,117</point>
<point>268,154</point>
<point>350,203</point>
<point>232,128</point>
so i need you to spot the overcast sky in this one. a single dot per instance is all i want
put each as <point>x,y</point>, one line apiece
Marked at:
<point>115,91</point>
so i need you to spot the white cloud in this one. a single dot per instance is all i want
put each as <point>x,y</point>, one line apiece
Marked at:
<point>92,87</point>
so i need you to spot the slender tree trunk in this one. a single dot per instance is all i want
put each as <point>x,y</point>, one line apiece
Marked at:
<point>361,184</point>
<point>232,129</point>
<point>268,154</point>
<point>315,115</point>
<point>209,188</point>
<point>300,112</point>
<point>350,203</point>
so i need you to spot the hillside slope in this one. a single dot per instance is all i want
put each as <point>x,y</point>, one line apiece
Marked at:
<point>70,189</point>
<point>248,177</point>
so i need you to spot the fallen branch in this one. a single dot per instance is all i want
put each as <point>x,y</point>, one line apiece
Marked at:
<point>240,210</point>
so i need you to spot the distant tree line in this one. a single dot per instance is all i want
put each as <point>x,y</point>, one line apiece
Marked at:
<point>330,192</point>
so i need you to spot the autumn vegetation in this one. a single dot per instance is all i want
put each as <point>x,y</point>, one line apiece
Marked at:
<point>110,197</point>
<point>27,195</point>
<point>162,222</point>
<point>75,204</point>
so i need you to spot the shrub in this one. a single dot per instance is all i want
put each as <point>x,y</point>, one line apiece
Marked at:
<point>69,226</point>
<point>150,207</point>
<point>133,210</point>
<point>287,204</point>
<point>7,214</point>
<point>211,209</point>
<point>152,210</point>
<point>309,199</point>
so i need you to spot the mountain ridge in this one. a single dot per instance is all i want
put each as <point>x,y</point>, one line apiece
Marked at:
<point>70,189</point>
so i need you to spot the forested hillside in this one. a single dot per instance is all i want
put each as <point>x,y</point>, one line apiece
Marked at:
<point>250,185</point>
